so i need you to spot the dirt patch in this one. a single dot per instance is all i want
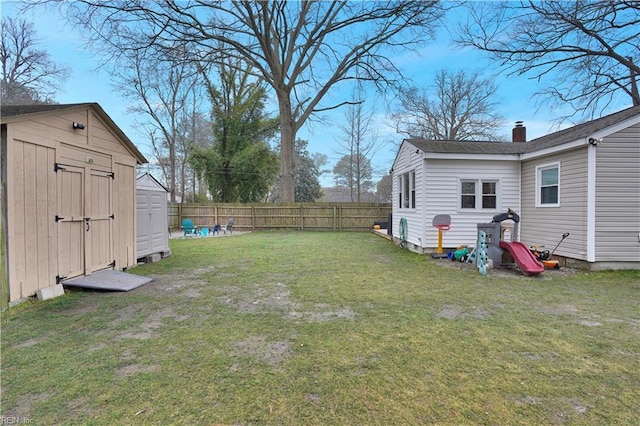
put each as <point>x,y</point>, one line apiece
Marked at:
<point>260,350</point>
<point>26,405</point>
<point>28,343</point>
<point>323,316</point>
<point>132,369</point>
<point>453,312</point>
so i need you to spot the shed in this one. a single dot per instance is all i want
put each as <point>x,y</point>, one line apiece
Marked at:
<point>152,232</point>
<point>68,196</point>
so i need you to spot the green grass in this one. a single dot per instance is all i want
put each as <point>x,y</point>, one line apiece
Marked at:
<point>327,328</point>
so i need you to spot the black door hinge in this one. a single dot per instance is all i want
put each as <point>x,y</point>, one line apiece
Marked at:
<point>113,216</point>
<point>59,279</point>
<point>57,167</point>
<point>113,175</point>
<point>59,218</point>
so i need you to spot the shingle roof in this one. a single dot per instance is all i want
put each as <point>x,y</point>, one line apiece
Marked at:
<point>15,110</point>
<point>551,140</point>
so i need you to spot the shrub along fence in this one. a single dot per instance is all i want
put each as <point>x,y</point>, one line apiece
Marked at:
<point>302,216</point>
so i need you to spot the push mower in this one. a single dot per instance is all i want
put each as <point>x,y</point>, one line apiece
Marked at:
<point>544,256</point>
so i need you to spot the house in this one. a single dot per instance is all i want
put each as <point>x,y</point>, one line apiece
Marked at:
<point>152,230</point>
<point>584,180</point>
<point>68,196</point>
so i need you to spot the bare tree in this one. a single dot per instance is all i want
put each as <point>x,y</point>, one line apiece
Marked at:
<point>28,74</point>
<point>358,144</point>
<point>587,51</point>
<point>458,106</point>
<point>163,88</point>
<point>302,49</point>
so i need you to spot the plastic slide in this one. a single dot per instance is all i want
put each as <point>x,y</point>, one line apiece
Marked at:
<point>525,260</point>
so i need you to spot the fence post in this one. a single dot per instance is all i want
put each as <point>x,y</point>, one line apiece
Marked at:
<point>334,217</point>
<point>253,217</point>
<point>301,219</point>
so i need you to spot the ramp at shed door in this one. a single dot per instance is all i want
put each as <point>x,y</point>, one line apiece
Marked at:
<point>108,279</point>
<point>152,223</point>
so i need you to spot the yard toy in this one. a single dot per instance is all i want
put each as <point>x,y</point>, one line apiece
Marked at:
<point>443,223</point>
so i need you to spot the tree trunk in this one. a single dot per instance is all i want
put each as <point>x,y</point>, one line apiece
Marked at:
<point>287,149</point>
<point>635,96</point>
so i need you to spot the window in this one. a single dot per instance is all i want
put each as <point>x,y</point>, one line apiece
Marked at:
<point>413,189</point>
<point>548,185</point>
<point>468,198</point>
<point>407,190</point>
<point>479,194</point>
<point>489,197</point>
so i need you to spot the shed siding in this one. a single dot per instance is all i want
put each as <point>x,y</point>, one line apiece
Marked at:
<point>31,204</point>
<point>443,196</point>
<point>618,197</point>
<point>408,160</point>
<point>545,225</point>
<point>124,223</point>
<point>102,138</point>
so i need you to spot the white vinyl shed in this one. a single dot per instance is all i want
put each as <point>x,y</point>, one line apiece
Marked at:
<point>152,231</point>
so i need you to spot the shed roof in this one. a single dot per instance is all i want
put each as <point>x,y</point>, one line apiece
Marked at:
<point>10,113</point>
<point>551,140</point>
<point>147,181</point>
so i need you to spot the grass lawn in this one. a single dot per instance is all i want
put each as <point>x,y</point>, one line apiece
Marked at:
<point>327,328</point>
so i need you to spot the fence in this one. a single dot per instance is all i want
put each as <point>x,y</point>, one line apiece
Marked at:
<point>255,217</point>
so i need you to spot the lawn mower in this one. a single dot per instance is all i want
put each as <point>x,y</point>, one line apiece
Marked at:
<point>544,256</point>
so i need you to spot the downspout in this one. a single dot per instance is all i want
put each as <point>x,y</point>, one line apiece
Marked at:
<point>591,200</point>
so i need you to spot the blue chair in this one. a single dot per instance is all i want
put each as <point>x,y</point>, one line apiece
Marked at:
<point>188,228</point>
<point>204,232</point>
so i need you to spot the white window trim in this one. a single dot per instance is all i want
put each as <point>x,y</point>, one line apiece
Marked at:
<point>406,192</point>
<point>478,195</point>
<point>539,170</point>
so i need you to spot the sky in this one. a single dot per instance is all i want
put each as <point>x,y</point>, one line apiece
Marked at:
<point>90,84</point>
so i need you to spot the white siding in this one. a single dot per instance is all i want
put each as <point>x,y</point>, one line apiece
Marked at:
<point>408,160</point>
<point>443,196</point>
<point>618,197</point>
<point>545,225</point>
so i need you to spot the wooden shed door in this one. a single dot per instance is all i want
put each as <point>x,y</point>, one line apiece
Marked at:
<point>98,221</point>
<point>85,218</point>
<point>70,219</point>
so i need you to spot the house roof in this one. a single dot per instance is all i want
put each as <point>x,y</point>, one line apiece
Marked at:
<point>551,140</point>
<point>9,112</point>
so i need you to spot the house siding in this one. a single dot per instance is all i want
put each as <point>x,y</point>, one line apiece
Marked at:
<point>545,225</point>
<point>408,160</point>
<point>443,195</point>
<point>617,219</point>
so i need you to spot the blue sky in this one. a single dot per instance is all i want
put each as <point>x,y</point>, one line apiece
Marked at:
<point>88,84</point>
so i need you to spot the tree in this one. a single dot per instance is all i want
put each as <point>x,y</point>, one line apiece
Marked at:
<point>384,189</point>
<point>307,175</point>
<point>358,145</point>
<point>587,51</point>
<point>357,179</point>
<point>303,50</point>
<point>240,165</point>
<point>458,106</point>
<point>29,76</point>
<point>163,88</point>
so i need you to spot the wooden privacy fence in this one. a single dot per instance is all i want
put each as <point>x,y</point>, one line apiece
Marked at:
<point>256,217</point>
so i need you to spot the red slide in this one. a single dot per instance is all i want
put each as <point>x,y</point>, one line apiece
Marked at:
<point>525,260</point>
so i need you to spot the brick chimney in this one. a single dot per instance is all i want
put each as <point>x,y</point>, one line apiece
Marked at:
<point>519,133</point>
